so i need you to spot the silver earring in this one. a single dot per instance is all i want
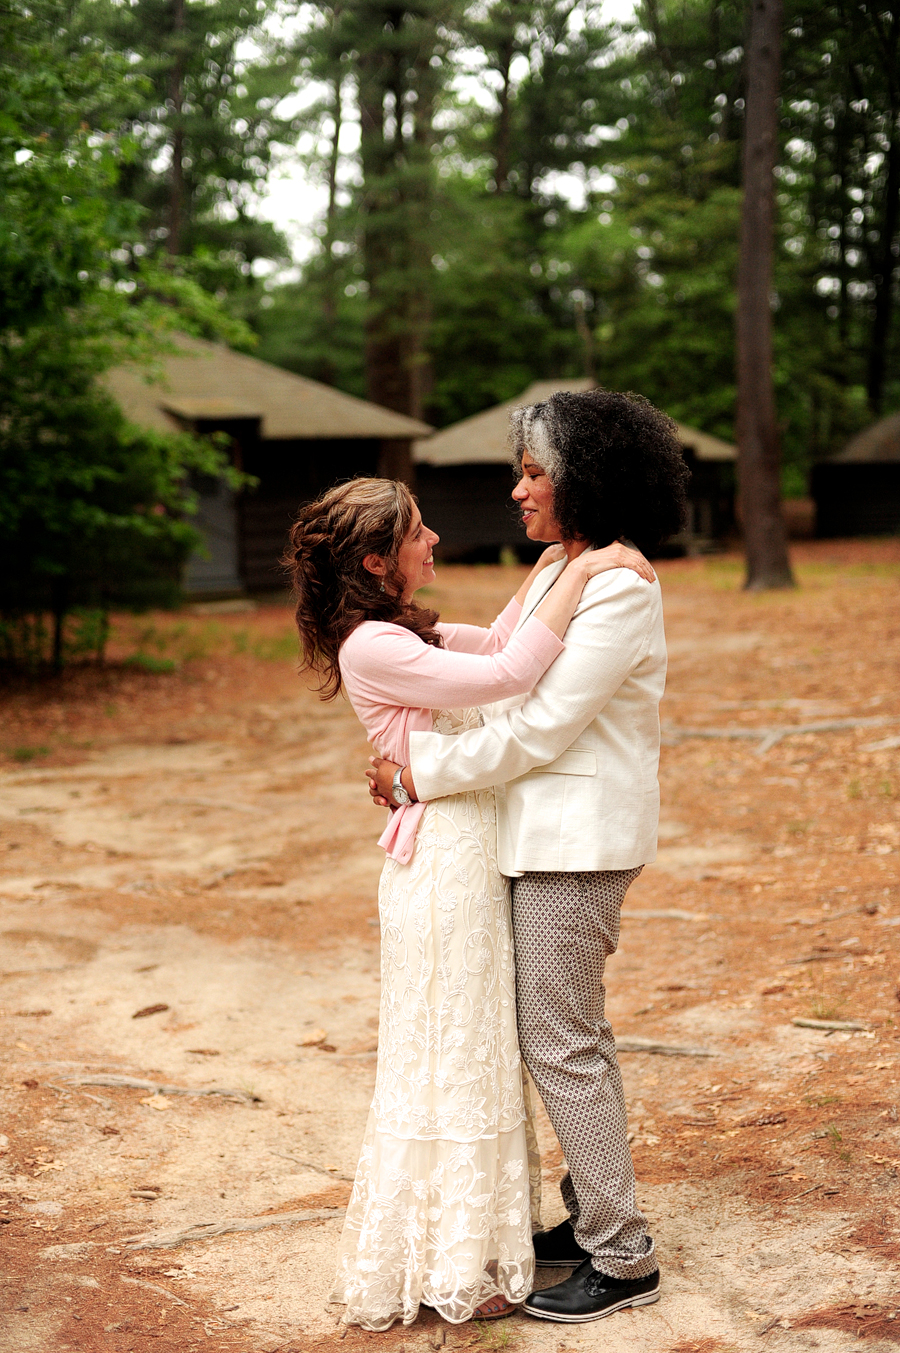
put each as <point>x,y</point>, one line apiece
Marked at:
<point>381,588</point>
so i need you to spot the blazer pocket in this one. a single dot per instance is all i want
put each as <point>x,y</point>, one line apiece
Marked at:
<point>575,761</point>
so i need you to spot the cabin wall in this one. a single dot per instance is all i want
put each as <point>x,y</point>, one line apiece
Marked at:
<point>215,570</point>
<point>290,473</point>
<point>857,498</point>
<point>711,499</point>
<point>471,509</point>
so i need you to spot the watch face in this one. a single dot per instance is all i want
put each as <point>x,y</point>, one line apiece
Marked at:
<point>400,795</point>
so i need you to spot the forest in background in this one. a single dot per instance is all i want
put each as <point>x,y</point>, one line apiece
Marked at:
<point>451,266</point>
<point>456,255</point>
<point>534,190</point>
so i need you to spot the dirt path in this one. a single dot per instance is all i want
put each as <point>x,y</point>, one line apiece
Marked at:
<point>198,841</point>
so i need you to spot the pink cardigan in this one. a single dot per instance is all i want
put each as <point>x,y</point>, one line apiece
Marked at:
<point>394,681</point>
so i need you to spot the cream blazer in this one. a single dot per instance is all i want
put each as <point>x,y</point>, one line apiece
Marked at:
<point>575,761</point>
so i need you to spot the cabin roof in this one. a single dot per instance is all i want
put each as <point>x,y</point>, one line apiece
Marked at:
<point>704,445</point>
<point>880,442</point>
<point>209,381</point>
<point>482,439</point>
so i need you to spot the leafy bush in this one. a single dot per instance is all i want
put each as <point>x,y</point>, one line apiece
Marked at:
<point>93,511</point>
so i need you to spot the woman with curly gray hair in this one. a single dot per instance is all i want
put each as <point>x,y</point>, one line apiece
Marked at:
<point>615,464</point>
<point>440,1213</point>
<point>575,769</point>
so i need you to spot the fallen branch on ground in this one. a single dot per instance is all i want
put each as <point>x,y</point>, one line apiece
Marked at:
<point>767,737</point>
<point>207,1230</point>
<point>317,1169</point>
<point>852,1025</point>
<point>885,745</point>
<point>152,1287</point>
<point>217,803</point>
<point>132,1083</point>
<point>668,914</point>
<point>663,1049</point>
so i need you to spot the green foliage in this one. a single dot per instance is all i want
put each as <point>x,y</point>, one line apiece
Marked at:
<point>26,754</point>
<point>92,509</point>
<point>147,662</point>
<point>199,105</point>
<point>162,645</point>
<point>637,285</point>
<point>546,58</point>
<point>508,323</point>
<point>317,327</point>
<point>456,264</point>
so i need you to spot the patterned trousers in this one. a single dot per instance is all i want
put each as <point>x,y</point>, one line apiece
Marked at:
<point>566,925</point>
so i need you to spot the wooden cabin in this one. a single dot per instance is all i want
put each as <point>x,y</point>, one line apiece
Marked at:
<point>711,492</point>
<point>295,435</point>
<point>464,478</point>
<point>857,492</point>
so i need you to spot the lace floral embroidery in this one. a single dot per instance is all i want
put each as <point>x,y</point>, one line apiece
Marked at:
<point>441,1210</point>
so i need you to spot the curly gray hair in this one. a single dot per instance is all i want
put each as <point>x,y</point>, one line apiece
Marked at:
<point>614,462</point>
<point>530,429</point>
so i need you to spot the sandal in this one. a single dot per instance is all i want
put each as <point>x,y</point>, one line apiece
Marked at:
<point>495,1308</point>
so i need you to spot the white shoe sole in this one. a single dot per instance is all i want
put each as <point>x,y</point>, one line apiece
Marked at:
<point>643,1299</point>
<point>560,1263</point>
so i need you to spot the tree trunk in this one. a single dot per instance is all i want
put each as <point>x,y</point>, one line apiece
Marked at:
<point>884,23</point>
<point>176,97</point>
<point>326,372</point>
<point>397,201</point>
<point>585,333</point>
<point>759,453</point>
<point>504,119</point>
<point>60,609</point>
<point>333,161</point>
<point>386,382</point>
<point>884,278</point>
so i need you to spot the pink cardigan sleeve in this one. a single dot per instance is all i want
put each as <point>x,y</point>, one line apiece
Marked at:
<point>474,639</point>
<point>392,665</point>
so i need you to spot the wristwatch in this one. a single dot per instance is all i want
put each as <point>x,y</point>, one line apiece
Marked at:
<point>398,793</point>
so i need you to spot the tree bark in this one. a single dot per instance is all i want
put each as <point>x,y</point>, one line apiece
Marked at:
<point>396,206</point>
<point>326,371</point>
<point>586,335</point>
<point>504,116</point>
<point>386,377</point>
<point>886,28</point>
<point>176,98</point>
<point>759,452</point>
<point>334,156</point>
<point>885,270</point>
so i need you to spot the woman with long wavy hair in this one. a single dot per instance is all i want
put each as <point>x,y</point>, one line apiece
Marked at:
<point>441,1209</point>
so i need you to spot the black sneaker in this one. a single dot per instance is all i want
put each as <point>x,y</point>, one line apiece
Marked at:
<point>589,1295</point>
<point>558,1248</point>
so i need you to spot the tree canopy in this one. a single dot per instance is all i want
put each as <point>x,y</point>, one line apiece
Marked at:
<point>514,190</point>
<point>579,181</point>
<point>92,510</point>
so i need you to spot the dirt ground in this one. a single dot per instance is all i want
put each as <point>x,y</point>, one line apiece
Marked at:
<point>187,902</point>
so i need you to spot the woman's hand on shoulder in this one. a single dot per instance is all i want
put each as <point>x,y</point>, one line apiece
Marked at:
<point>616,555</point>
<point>552,555</point>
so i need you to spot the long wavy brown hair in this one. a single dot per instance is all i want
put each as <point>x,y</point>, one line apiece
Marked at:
<point>332,589</point>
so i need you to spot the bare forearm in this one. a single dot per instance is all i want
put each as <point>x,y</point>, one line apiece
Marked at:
<point>549,556</point>
<point>524,589</point>
<point>558,607</point>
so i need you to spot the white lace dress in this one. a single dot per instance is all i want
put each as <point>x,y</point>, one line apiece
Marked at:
<point>441,1209</point>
